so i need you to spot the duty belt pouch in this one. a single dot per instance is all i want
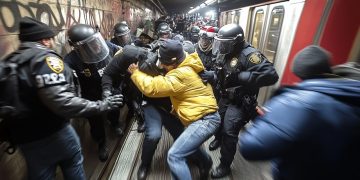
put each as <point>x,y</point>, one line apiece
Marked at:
<point>248,105</point>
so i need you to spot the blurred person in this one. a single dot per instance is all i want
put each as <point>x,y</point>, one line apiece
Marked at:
<point>310,130</point>
<point>349,70</point>
<point>240,70</point>
<point>42,130</point>
<point>88,59</point>
<point>193,102</point>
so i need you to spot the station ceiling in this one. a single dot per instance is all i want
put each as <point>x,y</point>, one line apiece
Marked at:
<point>179,6</point>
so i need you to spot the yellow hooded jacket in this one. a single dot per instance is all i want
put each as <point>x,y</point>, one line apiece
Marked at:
<point>190,97</point>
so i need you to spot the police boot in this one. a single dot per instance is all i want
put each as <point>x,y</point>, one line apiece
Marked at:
<point>214,144</point>
<point>103,151</point>
<point>142,172</point>
<point>118,131</point>
<point>204,169</point>
<point>220,171</point>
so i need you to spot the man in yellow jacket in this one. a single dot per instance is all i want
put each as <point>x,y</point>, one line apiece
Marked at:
<point>193,102</point>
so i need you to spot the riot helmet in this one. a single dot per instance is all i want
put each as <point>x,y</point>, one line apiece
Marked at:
<point>194,34</point>
<point>227,39</point>
<point>122,34</point>
<point>88,43</point>
<point>206,39</point>
<point>164,31</point>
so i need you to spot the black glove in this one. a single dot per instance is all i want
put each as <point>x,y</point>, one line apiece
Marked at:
<point>106,93</point>
<point>112,102</point>
<point>208,76</point>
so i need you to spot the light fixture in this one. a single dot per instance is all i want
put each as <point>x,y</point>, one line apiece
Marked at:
<point>208,2</point>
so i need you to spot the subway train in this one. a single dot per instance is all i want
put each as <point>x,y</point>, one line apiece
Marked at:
<point>281,28</point>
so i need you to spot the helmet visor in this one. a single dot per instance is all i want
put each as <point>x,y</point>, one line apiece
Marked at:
<point>124,39</point>
<point>164,35</point>
<point>223,46</point>
<point>92,49</point>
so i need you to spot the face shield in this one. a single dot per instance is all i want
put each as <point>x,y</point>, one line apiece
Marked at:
<point>92,49</point>
<point>164,35</point>
<point>124,39</point>
<point>223,46</point>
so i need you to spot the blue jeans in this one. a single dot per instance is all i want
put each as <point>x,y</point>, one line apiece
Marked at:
<point>155,117</point>
<point>190,142</point>
<point>61,148</point>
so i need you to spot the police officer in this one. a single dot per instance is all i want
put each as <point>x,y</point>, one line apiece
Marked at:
<point>122,37</point>
<point>122,34</point>
<point>43,132</point>
<point>240,71</point>
<point>88,59</point>
<point>194,34</point>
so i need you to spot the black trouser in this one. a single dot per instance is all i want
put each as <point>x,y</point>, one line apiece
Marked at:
<point>97,125</point>
<point>97,128</point>
<point>155,117</point>
<point>232,121</point>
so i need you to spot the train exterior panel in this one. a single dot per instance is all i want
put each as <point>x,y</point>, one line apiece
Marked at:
<point>282,28</point>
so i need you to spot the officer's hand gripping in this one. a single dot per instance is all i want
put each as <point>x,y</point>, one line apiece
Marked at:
<point>208,76</point>
<point>113,102</point>
<point>106,94</point>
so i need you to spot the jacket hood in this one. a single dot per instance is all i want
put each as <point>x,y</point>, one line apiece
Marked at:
<point>343,89</point>
<point>193,61</point>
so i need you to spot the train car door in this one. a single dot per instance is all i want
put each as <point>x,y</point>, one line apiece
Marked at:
<point>265,30</point>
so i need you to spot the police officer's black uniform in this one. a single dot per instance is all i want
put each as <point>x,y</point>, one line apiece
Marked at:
<point>89,68</point>
<point>241,70</point>
<point>46,88</point>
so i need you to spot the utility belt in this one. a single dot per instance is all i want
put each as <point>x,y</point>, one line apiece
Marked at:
<point>233,94</point>
<point>247,101</point>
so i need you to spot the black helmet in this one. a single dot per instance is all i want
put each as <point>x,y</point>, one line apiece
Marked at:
<point>88,43</point>
<point>122,34</point>
<point>121,29</point>
<point>228,37</point>
<point>195,29</point>
<point>80,32</point>
<point>164,30</point>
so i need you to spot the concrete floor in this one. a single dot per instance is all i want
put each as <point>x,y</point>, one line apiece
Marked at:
<point>128,161</point>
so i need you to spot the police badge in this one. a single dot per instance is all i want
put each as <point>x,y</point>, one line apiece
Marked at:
<point>233,62</point>
<point>55,64</point>
<point>255,58</point>
<point>87,72</point>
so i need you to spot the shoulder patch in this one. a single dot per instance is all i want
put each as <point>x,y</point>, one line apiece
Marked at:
<point>55,64</point>
<point>255,58</point>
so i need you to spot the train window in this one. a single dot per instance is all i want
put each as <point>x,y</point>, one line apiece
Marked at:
<point>273,34</point>
<point>225,17</point>
<point>259,19</point>
<point>230,17</point>
<point>237,17</point>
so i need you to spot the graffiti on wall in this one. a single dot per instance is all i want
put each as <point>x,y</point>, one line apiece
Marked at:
<point>61,14</point>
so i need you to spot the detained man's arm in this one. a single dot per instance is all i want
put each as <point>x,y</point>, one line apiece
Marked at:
<point>157,86</point>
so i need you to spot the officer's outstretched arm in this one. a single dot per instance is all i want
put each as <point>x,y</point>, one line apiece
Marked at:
<point>64,102</point>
